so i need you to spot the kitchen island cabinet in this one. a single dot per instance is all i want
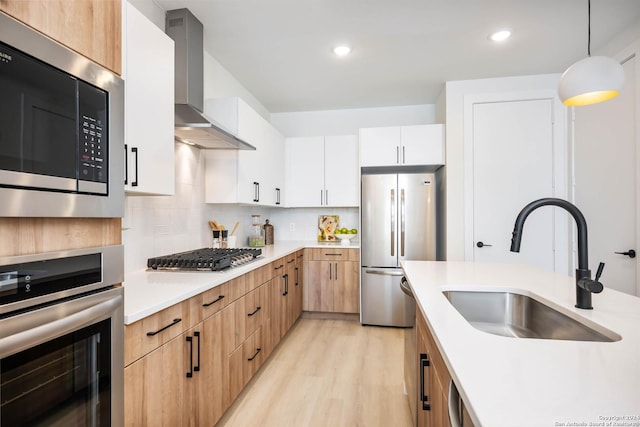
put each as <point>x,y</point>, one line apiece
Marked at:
<point>402,145</point>
<point>322,171</point>
<point>582,381</point>
<point>332,280</point>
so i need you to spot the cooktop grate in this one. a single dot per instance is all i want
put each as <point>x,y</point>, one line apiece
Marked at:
<point>205,259</point>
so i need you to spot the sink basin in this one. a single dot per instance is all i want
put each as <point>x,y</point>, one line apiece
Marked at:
<point>516,315</point>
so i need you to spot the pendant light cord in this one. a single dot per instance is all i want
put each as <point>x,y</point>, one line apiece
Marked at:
<point>589,29</point>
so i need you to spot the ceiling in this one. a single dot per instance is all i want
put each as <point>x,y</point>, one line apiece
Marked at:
<point>403,50</point>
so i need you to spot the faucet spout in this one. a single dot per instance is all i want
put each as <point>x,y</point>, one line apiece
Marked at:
<point>584,284</point>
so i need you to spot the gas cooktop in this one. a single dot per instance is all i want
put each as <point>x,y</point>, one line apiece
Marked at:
<point>205,259</point>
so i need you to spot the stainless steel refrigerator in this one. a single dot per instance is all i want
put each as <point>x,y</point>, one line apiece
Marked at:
<point>400,220</point>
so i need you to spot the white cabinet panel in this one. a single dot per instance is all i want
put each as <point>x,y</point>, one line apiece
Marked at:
<point>322,171</point>
<point>253,175</point>
<point>402,145</point>
<point>149,107</point>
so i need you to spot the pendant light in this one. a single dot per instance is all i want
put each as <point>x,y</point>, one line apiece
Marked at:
<point>591,80</point>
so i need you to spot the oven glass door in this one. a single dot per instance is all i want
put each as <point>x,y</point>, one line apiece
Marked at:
<point>62,382</point>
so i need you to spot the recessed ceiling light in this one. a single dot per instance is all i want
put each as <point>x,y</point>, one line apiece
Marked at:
<point>500,35</point>
<point>342,50</point>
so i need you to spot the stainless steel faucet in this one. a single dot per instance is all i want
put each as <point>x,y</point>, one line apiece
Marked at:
<point>585,286</point>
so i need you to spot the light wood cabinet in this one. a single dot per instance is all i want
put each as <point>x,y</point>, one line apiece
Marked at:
<point>149,107</point>
<point>332,280</point>
<point>165,387</point>
<point>402,145</point>
<point>433,378</point>
<point>90,27</point>
<point>322,171</point>
<point>222,338</point>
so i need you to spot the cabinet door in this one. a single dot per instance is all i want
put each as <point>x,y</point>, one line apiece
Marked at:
<point>208,387</point>
<point>149,107</point>
<point>341,177</point>
<point>305,171</point>
<point>422,145</point>
<point>274,194</point>
<point>298,284</point>
<point>346,285</point>
<point>380,146</point>
<point>156,388</point>
<point>90,27</point>
<point>318,288</point>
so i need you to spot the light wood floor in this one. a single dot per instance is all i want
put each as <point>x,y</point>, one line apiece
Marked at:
<point>328,373</point>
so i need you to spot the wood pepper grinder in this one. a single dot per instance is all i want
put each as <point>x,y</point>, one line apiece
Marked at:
<point>268,233</point>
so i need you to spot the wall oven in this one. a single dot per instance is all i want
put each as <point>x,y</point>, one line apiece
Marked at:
<point>61,129</point>
<point>61,339</point>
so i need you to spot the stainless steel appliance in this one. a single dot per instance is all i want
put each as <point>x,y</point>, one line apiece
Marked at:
<point>205,259</point>
<point>61,129</point>
<point>400,212</point>
<point>458,413</point>
<point>61,338</point>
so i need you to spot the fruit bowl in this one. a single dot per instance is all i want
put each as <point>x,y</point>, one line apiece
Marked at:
<point>345,237</point>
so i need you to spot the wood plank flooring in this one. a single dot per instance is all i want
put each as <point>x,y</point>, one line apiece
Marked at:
<point>328,373</point>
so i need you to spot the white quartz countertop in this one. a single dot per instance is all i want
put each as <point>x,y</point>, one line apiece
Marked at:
<point>527,382</point>
<point>146,291</point>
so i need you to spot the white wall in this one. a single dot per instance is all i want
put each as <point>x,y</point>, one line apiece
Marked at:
<point>347,122</point>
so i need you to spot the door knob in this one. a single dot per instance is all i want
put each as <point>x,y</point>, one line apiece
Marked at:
<point>481,245</point>
<point>630,253</point>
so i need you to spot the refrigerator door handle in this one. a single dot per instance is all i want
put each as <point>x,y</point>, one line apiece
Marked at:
<point>385,272</point>
<point>393,221</point>
<point>402,222</point>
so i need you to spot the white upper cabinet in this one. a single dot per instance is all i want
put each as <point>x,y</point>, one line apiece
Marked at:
<point>322,171</point>
<point>402,145</point>
<point>245,176</point>
<point>149,107</point>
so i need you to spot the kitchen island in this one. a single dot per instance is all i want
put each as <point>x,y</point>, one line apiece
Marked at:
<point>530,382</point>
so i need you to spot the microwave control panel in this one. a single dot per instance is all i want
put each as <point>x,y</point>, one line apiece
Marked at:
<point>93,150</point>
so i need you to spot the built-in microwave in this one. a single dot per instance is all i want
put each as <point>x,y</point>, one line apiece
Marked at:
<point>61,129</point>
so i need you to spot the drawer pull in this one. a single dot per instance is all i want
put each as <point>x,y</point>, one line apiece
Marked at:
<point>254,311</point>
<point>293,260</point>
<point>255,355</point>
<point>331,254</point>
<point>214,301</point>
<point>279,267</point>
<point>175,322</point>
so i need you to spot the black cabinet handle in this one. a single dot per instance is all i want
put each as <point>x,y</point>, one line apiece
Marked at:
<point>286,285</point>
<point>331,254</point>
<point>134,150</point>
<point>175,322</point>
<point>197,335</point>
<point>190,341</point>
<point>126,164</point>
<point>279,267</point>
<point>424,362</point>
<point>255,355</point>
<point>630,253</point>
<point>254,311</point>
<point>336,270</point>
<point>482,245</point>
<point>297,270</point>
<point>207,304</point>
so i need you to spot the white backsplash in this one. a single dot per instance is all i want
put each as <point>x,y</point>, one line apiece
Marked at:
<point>160,225</point>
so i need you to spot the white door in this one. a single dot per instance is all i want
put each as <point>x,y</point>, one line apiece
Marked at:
<point>513,164</point>
<point>606,184</point>
<point>341,173</point>
<point>305,171</point>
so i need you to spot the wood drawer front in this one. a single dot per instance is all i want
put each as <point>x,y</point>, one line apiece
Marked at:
<point>278,267</point>
<point>149,333</point>
<point>259,276</point>
<point>334,254</point>
<point>242,318</point>
<point>244,362</point>
<point>215,299</point>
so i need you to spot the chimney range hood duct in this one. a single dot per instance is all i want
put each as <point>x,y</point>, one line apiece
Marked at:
<point>191,126</point>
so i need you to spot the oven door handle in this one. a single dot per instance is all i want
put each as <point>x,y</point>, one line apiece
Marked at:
<point>23,340</point>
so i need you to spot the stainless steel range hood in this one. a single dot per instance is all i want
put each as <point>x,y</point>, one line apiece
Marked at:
<point>191,126</point>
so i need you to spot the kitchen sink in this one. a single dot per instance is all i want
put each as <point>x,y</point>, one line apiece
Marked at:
<point>511,314</point>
